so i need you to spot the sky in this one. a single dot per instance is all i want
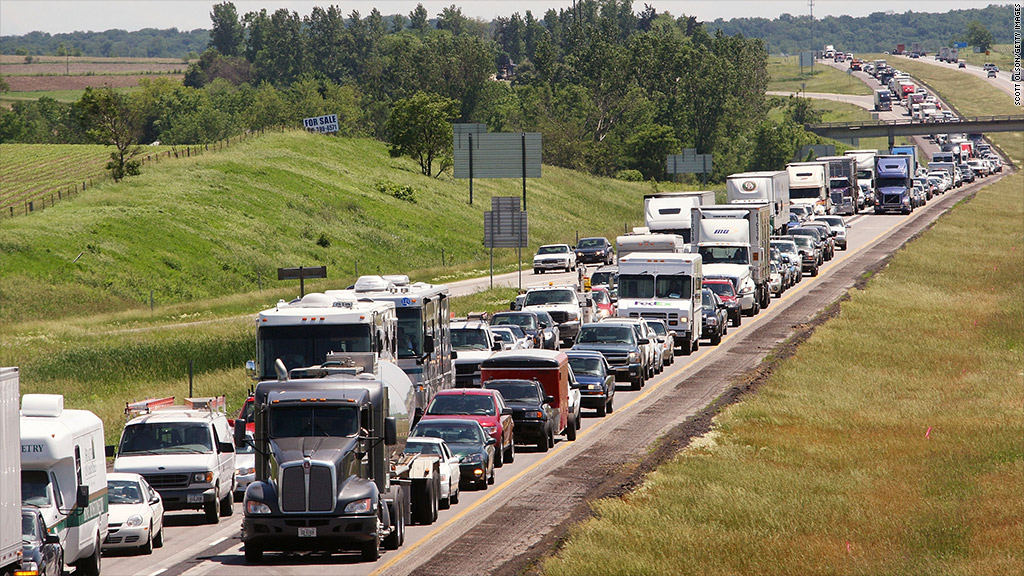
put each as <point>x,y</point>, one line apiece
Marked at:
<point>56,16</point>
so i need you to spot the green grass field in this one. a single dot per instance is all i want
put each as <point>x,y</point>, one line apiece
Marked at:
<point>785,76</point>
<point>1001,55</point>
<point>66,96</point>
<point>889,444</point>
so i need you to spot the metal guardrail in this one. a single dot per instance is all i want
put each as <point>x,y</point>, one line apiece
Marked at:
<point>885,123</point>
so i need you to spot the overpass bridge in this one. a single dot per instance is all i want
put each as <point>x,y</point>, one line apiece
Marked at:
<point>894,128</point>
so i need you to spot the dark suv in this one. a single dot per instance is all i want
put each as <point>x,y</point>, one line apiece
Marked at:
<point>620,346</point>
<point>594,250</point>
<point>533,415</point>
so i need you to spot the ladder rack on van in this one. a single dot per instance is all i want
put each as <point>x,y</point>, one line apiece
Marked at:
<point>133,409</point>
<point>211,403</point>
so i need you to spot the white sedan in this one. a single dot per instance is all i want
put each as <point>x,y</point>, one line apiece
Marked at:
<point>449,465</point>
<point>136,515</point>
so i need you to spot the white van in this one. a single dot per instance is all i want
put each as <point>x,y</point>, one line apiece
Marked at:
<point>64,474</point>
<point>185,452</point>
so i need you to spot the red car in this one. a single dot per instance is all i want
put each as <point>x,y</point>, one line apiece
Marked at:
<point>246,415</point>
<point>727,292</point>
<point>603,302</point>
<point>486,407</point>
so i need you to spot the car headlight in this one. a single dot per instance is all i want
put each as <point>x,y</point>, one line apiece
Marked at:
<point>683,320</point>
<point>245,471</point>
<point>475,458</point>
<point>534,414</point>
<point>203,477</point>
<point>253,507</point>
<point>712,320</point>
<point>28,567</point>
<point>579,254</point>
<point>361,506</point>
<point>491,429</point>
<point>633,356</point>
<point>134,521</point>
<point>593,387</point>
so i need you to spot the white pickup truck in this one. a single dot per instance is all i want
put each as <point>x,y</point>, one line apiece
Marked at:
<point>569,308</point>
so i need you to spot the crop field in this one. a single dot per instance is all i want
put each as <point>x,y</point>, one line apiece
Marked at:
<point>63,83</point>
<point>36,172</point>
<point>81,66</point>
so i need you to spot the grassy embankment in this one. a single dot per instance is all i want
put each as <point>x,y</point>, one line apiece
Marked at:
<point>889,444</point>
<point>971,96</point>
<point>202,233</point>
<point>785,75</point>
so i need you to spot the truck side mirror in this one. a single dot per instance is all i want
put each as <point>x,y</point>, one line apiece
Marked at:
<point>109,449</point>
<point>455,355</point>
<point>51,539</point>
<point>250,369</point>
<point>496,346</point>
<point>643,341</point>
<point>239,432</point>
<point>390,431</point>
<point>82,497</point>
<point>428,344</point>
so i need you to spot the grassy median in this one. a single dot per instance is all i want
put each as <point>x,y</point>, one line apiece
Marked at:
<point>891,443</point>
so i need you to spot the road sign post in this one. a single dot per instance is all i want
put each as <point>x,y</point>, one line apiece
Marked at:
<point>301,273</point>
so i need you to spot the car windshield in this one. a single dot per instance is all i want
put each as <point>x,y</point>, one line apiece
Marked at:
<point>313,421</point>
<point>795,232</point>
<point>538,297</point>
<point>124,492</point>
<point>451,432</point>
<point>553,250</point>
<point>29,527</point>
<point>524,321</point>
<point>420,447</point>
<point>606,334</point>
<point>804,241</point>
<point>707,299</point>
<point>167,438</point>
<point>470,339</point>
<point>515,391</point>
<point>512,330</point>
<point>785,247</point>
<point>724,254</point>
<point>475,404</point>
<point>658,328</point>
<point>586,366</point>
<point>591,243</point>
<point>599,278</point>
<point>720,288</point>
<point>601,297</point>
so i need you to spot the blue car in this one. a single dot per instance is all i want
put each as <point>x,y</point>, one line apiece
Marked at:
<point>595,378</point>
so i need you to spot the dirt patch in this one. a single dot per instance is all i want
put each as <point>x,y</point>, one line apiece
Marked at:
<point>54,83</point>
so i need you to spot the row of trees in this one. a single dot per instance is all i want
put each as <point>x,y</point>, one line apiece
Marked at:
<point>145,43</point>
<point>611,90</point>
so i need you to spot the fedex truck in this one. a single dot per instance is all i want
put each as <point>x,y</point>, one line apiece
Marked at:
<point>771,188</point>
<point>665,286</point>
<point>64,474</point>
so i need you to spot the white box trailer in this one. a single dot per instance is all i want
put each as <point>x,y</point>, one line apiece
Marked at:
<point>808,185</point>
<point>64,474</point>
<point>642,240</point>
<point>10,472</point>
<point>770,188</point>
<point>664,286</point>
<point>865,167</point>
<point>734,241</point>
<point>669,212</point>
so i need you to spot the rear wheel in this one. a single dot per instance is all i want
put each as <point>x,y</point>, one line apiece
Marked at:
<point>91,565</point>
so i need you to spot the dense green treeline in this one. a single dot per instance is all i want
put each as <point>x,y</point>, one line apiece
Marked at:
<point>145,43</point>
<point>611,91</point>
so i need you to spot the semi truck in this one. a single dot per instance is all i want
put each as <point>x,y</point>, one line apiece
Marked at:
<point>894,181</point>
<point>64,474</point>
<point>331,472</point>
<point>910,151</point>
<point>865,168</point>
<point>842,183</point>
<point>733,242</point>
<point>10,472</point>
<point>669,212</point>
<point>883,99</point>
<point>808,185</point>
<point>770,188</point>
<point>664,286</point>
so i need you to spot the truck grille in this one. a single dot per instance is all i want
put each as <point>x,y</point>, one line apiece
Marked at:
<point>559,316</point>
<point>293,489</point>
<point>891,199</point>
<point>163,481</point>
<point>467,369</point>
<point>616,359</point>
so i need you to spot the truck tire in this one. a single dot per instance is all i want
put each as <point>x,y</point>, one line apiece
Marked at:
<point>543,443</point>
<point>212,510</point>
<point>717,338</point>
<point>253,553</point>
<point>570,428</point>
<point>396,538</point>
<point>424,502</point>
<point>637,383</point>
<point>91,565</point>
<point>602,410</point>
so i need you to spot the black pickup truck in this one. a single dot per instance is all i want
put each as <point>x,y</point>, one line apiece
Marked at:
<point>534,416</point>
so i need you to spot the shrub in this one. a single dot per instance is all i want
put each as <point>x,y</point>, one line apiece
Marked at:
<point>630,175</point>
<point>406,192</point>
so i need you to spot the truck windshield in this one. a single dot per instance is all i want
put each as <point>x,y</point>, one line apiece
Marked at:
<point>674,287</point>
<point>550,297</point>
<point>524,321</point>
<point>303,346</point>
<point>586,366</point>
<point>166,438</point>
<point>636,286</point>
<point>606,334</point>
<point>724,254</point>
<point>313,421</point>
<point>805,193</point>
<point>410,332</point>
<point>469,339</point>
<point>33,488</point>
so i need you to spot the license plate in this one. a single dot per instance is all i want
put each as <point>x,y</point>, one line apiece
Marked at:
<point>195,498</point>
<point>307,532</point>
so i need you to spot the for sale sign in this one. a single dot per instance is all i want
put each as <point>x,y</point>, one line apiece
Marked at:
<point>328,123</point>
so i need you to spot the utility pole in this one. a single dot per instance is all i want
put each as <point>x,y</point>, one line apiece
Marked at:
<point>810,4</point>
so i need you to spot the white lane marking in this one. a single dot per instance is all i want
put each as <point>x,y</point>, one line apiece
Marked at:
<point>160,571</point>
<point>218,541</point>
